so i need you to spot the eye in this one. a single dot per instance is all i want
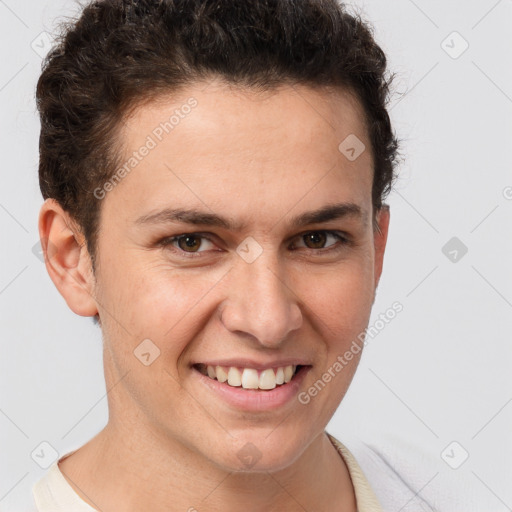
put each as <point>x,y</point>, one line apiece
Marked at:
<point>187,242</point>
<point>317,239</point>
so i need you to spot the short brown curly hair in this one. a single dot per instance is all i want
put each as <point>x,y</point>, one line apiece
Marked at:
<point>120,53</point>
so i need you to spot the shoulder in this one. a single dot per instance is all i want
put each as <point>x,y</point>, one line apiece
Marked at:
<point>53,493</point>
<point>409,472</point>
<point>371,467</point>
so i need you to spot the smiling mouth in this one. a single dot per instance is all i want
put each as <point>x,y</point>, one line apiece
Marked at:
<point>250,378</point>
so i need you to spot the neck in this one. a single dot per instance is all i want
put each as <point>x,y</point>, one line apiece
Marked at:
<point>123,470</point>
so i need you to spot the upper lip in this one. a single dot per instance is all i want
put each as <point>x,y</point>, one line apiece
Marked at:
<point>257,365</point>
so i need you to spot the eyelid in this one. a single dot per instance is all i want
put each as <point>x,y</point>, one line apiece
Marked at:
<point>339,235</point>
<point>169,240</point>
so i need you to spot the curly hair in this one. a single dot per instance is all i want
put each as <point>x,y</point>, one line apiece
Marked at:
<point>119,54</point>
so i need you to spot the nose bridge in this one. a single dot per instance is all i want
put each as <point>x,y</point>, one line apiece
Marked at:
<point>260,302</point>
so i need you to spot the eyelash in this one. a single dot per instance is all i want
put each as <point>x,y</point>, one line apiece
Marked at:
<point>168,241</point>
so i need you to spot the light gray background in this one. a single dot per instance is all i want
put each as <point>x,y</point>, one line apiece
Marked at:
<point>438,373</point>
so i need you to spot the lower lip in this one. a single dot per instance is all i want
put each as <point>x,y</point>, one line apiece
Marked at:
<point>254,400</point>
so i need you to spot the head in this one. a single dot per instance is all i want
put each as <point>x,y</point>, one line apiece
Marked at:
<point>215,175</point>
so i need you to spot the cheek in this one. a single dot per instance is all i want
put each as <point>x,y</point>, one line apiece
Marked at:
<point>341,307</point>
<point>168,306</point>
<point>341,298</point>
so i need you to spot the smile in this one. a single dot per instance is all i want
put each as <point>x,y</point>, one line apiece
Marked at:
<point>250,378</point>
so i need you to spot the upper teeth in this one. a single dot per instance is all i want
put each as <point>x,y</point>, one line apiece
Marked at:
<point>249,378</point>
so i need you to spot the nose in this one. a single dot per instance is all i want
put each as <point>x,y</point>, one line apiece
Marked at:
<point>260,302</point>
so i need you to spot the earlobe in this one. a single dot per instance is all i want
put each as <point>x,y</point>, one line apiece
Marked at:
<point>67,259</point>
<point>380,237</point>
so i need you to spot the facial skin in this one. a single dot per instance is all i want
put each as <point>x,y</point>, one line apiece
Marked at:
<point>259,160</point>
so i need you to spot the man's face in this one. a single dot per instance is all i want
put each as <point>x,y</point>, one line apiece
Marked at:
<point>263,292</point>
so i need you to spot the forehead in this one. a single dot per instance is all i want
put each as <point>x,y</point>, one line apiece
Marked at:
<point>211,143</point>
<point>220,111</point>
<point>316,108</point>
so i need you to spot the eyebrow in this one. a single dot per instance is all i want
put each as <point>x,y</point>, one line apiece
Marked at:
<point>202,218</point>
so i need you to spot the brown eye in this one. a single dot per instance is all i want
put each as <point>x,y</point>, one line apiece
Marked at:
<point>189,243</point>
<point>316,238</point>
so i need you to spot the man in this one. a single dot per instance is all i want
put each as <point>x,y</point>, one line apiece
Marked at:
<point>214,175</point>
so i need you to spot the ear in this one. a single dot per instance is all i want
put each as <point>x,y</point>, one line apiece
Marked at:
<point>67,259</point>
<point>380,236</point>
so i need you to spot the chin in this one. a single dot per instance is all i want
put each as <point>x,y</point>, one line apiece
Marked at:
<point>254,454</point>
